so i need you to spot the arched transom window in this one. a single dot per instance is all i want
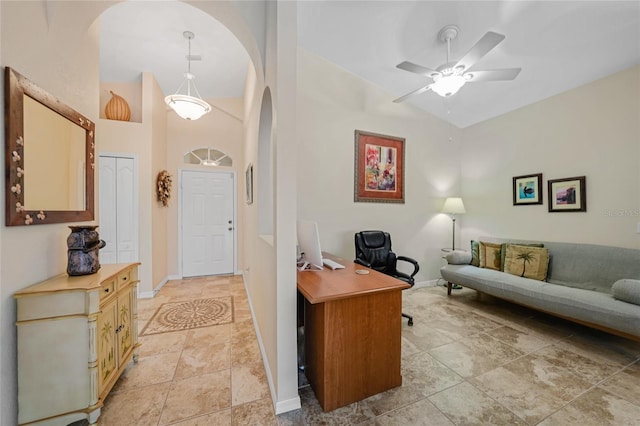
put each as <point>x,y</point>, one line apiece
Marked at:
<point>208,157</point>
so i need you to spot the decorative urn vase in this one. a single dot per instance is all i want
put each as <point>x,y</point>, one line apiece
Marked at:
<point>83,244</point>
<point>117,108</point>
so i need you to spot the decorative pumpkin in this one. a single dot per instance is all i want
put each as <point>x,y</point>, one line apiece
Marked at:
<point>117,108</point>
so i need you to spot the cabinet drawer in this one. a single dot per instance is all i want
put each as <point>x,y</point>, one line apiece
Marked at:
<point>124,278</point>
<point>108,288</point>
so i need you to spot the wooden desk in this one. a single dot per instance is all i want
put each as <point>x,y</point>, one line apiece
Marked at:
<point>352,333</point>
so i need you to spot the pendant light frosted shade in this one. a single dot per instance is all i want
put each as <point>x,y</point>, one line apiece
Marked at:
<point>187,106</point>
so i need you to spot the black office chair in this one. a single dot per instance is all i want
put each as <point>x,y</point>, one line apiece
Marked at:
<point>373,250</point>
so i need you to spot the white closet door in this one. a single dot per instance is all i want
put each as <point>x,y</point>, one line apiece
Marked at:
<point>118,209</point>
<point>127,235</point>
<point>108,209</point>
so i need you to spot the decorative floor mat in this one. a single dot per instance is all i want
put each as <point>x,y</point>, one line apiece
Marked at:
<point>177,316</point>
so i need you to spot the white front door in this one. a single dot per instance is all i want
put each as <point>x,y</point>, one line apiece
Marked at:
<point>207,223</point>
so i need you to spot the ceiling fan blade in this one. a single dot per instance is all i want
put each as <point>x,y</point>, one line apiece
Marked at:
<point>493,75</point>
<point>415,92</point>
<point>418,69</point>
<point>481,48</point>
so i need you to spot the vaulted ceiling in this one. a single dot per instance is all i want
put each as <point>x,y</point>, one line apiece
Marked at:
<point>559,45</point>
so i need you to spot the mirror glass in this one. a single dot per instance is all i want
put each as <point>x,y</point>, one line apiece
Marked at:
<point>49,157</point>
<point>54,157</point>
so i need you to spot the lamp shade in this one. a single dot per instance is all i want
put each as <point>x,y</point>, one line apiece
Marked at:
<point>453,206</point>
<point>188,107</point>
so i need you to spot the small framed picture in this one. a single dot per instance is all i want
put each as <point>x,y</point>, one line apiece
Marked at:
<point>527,189</point>
<point>568,194</point>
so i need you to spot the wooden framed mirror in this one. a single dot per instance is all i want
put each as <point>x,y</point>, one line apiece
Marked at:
<point>49,157</point>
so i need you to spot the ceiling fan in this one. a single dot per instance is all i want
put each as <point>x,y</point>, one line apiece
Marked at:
<point>451,76</point>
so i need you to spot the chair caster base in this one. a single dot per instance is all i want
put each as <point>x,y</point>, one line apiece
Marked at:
<point>410,323</point>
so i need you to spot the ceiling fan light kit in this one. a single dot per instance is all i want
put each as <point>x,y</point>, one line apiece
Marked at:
<point>449,78</point>
<point>187,106</point>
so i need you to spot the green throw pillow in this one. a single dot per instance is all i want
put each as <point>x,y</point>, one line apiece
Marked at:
<point>475,253</point>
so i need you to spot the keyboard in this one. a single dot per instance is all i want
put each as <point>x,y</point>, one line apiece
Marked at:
<point>331,264</point>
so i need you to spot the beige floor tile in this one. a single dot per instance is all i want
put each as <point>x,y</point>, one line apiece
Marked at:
<point>255,413</point>
<point>422,375</point>
<point>147,371</point>
<point>421,413</point>
<point>466,405</point>
<point>219,418</point>
<point>157,344</point>
<point>424,336</point>
<point>245,351</point>
<point>584,365</point>
<point>207,336</point>
<point>475,355</point>
<point>196,396</point>
<point>527,343</point>
<point>242,330</point>
<point>625,384</point>
<point>140,406</point>
<point>596,408</point>
<point>531,387</point>
<point>248,383</point>
<point>202,359</point>
<point>312,414</point>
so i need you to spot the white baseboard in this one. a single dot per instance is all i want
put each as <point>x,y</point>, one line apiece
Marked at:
<point>152,294</point>
<point>430,283</point>
<point>280,406</point>
<point>288,405</point>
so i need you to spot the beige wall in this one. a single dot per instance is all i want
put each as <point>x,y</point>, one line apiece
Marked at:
<point>590,131</point>
<point>221,129</point>
<point>269,277</point>
<point>332,104</point>
<point>147,141</point>
<point>35,39</point>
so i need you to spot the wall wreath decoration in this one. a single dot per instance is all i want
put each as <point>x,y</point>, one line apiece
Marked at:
<point>164,187</point>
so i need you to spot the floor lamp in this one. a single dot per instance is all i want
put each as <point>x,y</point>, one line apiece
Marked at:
<point>453,206</point>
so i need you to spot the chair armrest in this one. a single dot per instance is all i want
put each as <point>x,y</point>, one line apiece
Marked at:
<point>362,262</point>
<point>416,268</point>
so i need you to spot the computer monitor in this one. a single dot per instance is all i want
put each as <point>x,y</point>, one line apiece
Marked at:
<point>309,242</point>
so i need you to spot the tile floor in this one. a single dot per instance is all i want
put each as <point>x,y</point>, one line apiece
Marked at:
<point>469,360</point>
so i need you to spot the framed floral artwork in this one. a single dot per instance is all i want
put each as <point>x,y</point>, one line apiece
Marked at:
<point>527,189</point>
<point>379,168</point>
<point>568,194</point>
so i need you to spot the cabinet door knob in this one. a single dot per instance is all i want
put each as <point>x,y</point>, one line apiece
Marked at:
<point>106,290</point>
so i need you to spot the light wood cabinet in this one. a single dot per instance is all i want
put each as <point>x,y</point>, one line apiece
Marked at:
<point>75,337</point>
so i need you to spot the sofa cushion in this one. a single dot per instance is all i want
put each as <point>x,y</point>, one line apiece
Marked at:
<point>489,255</point>
<point>458,257</point>
<point>475,253</point>
<point>627,291</point>
<point>527,261</point>
<point>503,251</point>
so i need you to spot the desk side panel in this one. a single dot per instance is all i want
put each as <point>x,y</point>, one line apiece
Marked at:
<point>362,353</point>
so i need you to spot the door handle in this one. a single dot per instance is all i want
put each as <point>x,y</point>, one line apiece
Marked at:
<point>230,229</point>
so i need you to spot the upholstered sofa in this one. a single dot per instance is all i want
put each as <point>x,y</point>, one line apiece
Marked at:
<point>594,285</point>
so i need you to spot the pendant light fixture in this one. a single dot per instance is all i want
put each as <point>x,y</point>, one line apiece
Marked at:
<point>187,106</point>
